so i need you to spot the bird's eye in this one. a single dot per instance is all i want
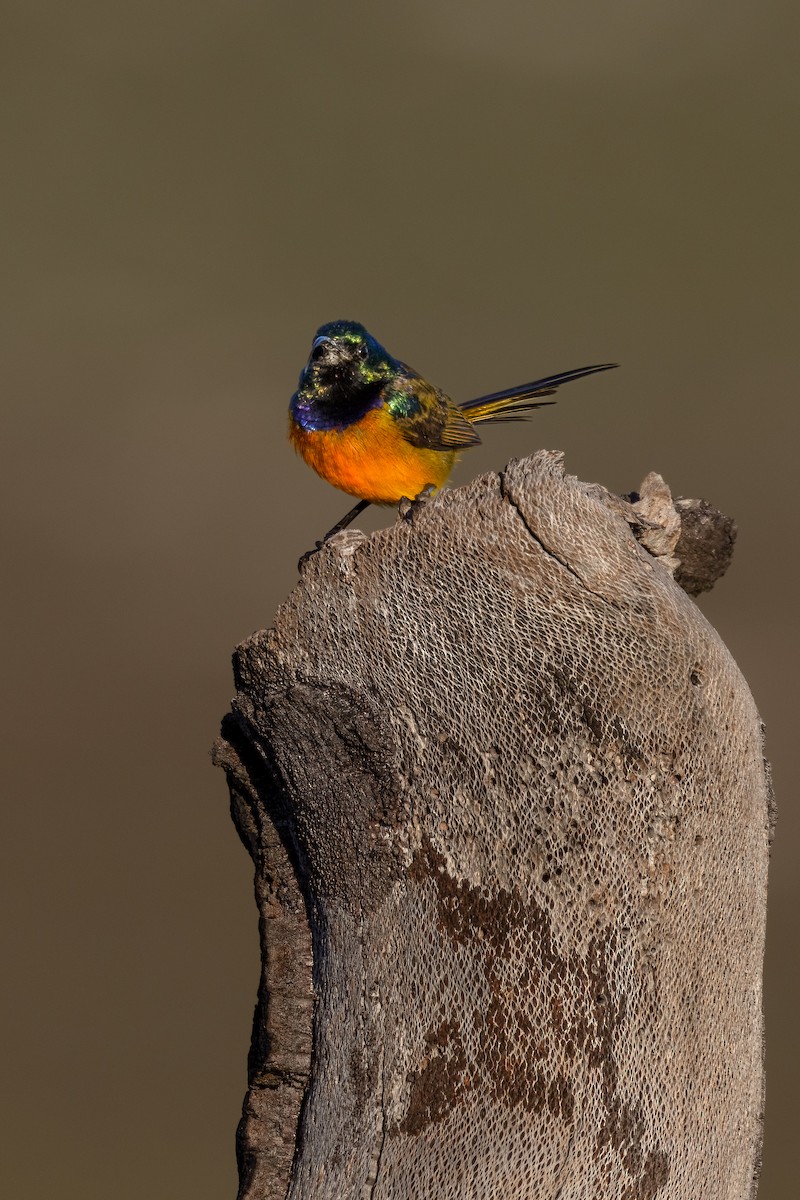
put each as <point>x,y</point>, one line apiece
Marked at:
<point>361,350</point>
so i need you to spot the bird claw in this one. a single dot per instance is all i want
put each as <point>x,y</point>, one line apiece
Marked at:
<point>301,562</point>
<point>406,507</point>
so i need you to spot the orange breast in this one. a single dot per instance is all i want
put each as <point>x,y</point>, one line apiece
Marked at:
<point>371,459</point>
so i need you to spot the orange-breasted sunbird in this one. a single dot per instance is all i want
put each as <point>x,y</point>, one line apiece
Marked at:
<point>374,428</point>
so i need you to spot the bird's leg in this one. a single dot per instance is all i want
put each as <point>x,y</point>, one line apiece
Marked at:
<point>346,520</point>
<point>406,507</point>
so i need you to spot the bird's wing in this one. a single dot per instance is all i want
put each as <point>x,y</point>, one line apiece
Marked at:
<point>426,417</point>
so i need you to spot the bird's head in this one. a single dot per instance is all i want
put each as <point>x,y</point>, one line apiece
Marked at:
<point>343,377</point>
<point>344,355</point>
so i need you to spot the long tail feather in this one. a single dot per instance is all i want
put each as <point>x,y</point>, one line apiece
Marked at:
<point>514,403</point>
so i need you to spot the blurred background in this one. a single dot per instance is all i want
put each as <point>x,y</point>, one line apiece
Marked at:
<point>498,191</point>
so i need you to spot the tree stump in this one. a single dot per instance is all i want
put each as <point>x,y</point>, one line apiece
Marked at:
<point>504,790</point>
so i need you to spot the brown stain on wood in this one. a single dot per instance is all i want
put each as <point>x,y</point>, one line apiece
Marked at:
<point>512,1056</point>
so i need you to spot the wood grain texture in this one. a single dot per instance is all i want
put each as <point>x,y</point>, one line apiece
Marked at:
<point>505,793</point>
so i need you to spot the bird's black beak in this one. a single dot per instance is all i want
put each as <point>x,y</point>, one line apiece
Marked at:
<point>327,352</point>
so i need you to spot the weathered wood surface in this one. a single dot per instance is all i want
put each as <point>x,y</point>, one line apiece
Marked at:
<point>504,790</point>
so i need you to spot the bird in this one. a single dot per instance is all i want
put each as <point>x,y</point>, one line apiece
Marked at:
<point>374,428</point>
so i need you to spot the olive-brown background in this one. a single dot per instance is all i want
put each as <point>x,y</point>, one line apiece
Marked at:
<point>188,190</point>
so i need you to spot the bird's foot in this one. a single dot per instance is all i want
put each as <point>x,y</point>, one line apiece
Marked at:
<point>338,527</point>
<point>301,562</point>
<point>407,507</point>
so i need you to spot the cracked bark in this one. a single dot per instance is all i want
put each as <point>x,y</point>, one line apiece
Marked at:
<point>504,792</point>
